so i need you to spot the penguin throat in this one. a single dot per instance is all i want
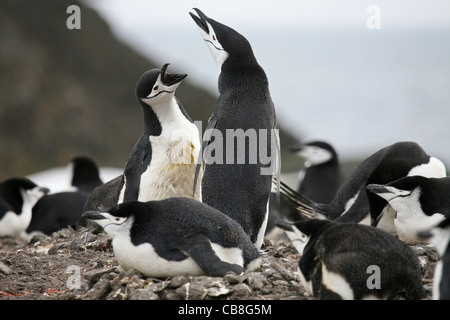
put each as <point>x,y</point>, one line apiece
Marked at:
<point>160,115</point>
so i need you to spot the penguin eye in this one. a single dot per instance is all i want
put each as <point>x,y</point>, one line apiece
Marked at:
<point>214,37</point>
<point>155,88</point>
<point>117,219</point>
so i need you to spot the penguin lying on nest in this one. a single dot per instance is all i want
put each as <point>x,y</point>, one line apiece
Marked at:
<point>176,236</point>
<point>353,261</point>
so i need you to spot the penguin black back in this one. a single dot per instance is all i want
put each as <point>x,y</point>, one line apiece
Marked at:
<point>56,211</point>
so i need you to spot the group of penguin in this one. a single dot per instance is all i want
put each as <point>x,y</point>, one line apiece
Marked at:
<point>172,212</point>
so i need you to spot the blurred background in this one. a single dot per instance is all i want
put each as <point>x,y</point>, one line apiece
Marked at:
<point>339,71</point>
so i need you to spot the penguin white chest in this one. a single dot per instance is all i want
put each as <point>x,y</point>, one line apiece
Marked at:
<point>145,259</point>
<point>172,167</point>
<point>12,224</point>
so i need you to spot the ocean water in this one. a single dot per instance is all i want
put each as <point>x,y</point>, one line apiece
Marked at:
<point>358,89</point>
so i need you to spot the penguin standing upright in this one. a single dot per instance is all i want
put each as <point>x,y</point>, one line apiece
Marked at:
<point>352,261</point>
<point>353,202</point>
<point>162,163</point>
<point>419,203</point>
<point>439,236</point>
<point>238,182</point>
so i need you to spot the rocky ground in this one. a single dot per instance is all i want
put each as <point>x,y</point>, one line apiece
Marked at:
<point>79,264</point>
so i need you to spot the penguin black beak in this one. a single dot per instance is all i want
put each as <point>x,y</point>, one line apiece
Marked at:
<point>92,215</point>
<point>44,190</point>
<point>425,234</point>
<point>200,20</point>
<point>377,188</point>
<point>169,79</point>
<point>283,224</point>
<point>296,148</point>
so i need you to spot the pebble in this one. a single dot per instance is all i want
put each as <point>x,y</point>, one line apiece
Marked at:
<point>257,281</point>
<point>192,291</point>
<point>4,269</point>
<point>242,290</point>
<point>178,281</point>
<point>99,290</point>
<point>96,274</point>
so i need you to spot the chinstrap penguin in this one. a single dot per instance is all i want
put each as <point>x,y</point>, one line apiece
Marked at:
<point>176,236</point>
<point>439,236</point>
<point>85,175</point>
<point>419,203</point>
<point>27,209</point>
<point>163,161</point>
<point>353,202</point>
<point>240,189</point>
<point>17,199</point>
<point>318,180</point>
<point>351,261</point>
<point>321,174</point>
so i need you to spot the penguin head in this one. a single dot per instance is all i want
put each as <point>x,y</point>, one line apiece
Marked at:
<point>315,153</point>
<point>439,236</point>
<point>402,194</point>
<point>301,231</point>
<point>157,85</point>
<point>117,220</point>
<point>84,172</point>
<point>224,42</point>
<point>20,191</point>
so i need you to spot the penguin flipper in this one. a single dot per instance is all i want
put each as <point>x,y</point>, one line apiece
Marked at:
<point>277,166</point>
<point>104,196</point>
<point>206,139</point>
<point>200,250</point>
<point>138,161</point>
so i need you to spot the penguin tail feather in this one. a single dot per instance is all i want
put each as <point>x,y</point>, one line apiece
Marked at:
<point>302,204</point>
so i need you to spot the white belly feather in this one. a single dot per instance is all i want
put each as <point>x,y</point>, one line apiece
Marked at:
<point>145,259</point>
<point>172,167</point>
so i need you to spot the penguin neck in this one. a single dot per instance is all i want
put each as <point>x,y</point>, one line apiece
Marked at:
<point>234,73</point>
<point>155,116</point>
<point>240,64</point>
